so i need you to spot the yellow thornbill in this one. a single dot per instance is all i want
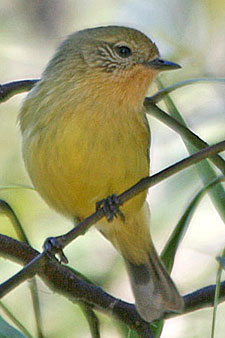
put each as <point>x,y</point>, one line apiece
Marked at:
<point>86,136</point>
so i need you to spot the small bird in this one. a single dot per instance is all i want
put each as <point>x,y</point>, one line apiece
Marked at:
<point>86,136</point>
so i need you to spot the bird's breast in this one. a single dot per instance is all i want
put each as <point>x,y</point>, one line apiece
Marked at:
<point>86,157</point>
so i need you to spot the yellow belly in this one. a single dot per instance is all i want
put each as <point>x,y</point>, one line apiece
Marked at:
<point>76,164</point>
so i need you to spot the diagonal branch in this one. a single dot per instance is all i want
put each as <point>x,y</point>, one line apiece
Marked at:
<point>182,130</point>
<point>160,95</point>
<point>142,185</point>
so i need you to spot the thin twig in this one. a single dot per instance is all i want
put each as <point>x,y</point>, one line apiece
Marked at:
<point>205,170</point>
<point>182,130</point>
<point>29,271</point>
<point>7,90</point>
<point>160,95</point>
<point>140,186</point>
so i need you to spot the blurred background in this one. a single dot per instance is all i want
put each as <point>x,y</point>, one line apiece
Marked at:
<point>188,32</point>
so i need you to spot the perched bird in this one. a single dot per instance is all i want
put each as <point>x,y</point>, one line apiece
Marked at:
<point>86,136</point>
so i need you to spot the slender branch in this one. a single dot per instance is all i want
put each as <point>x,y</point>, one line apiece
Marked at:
<point>182,130</point>
<point>160,95</point>
<point>29,271</point>
<point>205,170</point>
<point>10,89</point>
<point>148,182</point>
<point>203,298</point>
<point>140,186</point>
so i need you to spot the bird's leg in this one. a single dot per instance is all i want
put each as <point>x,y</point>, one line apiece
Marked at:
<point>54,245</point>
<point>111,207</point>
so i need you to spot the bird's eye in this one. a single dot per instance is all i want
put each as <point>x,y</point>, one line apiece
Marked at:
<point>123,51</point>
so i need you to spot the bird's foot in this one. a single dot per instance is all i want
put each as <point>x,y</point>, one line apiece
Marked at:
<point>54,246</point>
<point>111,207</point>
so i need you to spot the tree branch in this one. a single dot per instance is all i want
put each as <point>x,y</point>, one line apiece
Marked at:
<point>64,281</point>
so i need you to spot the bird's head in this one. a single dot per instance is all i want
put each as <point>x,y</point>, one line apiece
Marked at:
<point>110,60</point>
<point>115,48</point>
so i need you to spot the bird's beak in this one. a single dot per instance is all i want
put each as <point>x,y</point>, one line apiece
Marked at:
<point>161,64</point>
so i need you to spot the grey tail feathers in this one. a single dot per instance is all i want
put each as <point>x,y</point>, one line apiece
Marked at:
<point>153,289</point>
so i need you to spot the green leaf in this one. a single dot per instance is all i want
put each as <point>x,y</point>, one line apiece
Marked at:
<point>221,260</point>
<point>8,211</point>
<point>183,131</point>
<point>157,328</point>
<point>91,318</point>
<point>7,331</point>
<point>5,327</point>
<point>217,292</point>
<point>132,334</point>
<point>205,170</point>
<point>169,251</point>
<point>164,91</point>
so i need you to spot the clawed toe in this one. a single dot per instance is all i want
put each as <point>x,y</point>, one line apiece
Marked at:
<point>52,247</point>
<point>111,207</point>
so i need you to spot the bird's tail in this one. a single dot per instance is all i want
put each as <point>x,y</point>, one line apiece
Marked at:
<point>153,289</point>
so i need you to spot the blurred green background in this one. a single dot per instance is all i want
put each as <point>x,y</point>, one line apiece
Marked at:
<point>188,32</point>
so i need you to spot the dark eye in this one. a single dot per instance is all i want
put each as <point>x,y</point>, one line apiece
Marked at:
<point>123,51</point>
